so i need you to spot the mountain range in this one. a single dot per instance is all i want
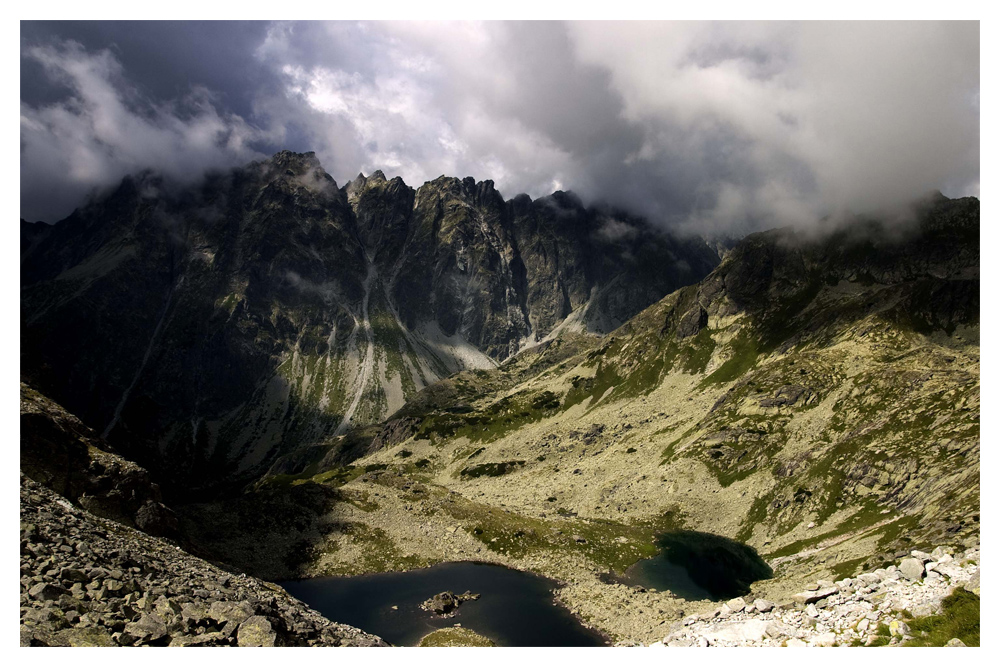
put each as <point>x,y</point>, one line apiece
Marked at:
<point>208,329</point>
<point>319,380</point>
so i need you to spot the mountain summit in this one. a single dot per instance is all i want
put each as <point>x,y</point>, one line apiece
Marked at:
<point>208,329</point>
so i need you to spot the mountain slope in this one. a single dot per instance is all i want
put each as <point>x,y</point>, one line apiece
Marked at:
<point>814,397</point>
<point>208,329</point>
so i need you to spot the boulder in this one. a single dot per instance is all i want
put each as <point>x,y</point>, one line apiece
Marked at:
<point>825,639</point>
<point>762,605</point>
<point>912,568</point>
<point>150,628</point>
<point>955,641</point>
<point>808,597</point>
<point>973,584</point>
<point>256,631</point>
<point>736,605</point>
<point>46,591</point>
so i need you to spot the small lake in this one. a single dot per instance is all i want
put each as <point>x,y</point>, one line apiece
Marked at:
<point>699,566</point>
<point>516,608</point>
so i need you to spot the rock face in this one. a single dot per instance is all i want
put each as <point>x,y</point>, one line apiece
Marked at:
<point>86,581</point>
<point>57,450</point>
<point>208,330</point>
<point>854,613</point>
<point>446,604</point>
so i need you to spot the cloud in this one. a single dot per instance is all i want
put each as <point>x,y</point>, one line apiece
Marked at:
<point>710,127</point>
<point>104,129</point>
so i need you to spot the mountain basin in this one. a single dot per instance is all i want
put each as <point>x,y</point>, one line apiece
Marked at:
<point>515,608</point>
<point>699,566</point>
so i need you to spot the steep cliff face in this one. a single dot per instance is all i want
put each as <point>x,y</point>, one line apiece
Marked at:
<point>209,329</point>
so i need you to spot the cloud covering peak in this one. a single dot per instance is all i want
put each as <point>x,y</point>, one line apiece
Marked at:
<point>716,127</point>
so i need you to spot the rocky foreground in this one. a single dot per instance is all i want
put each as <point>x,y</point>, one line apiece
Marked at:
<point>870,609</point>
<point>87,581</point>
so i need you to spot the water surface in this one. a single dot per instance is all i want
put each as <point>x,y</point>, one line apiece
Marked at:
<point>516,608</point>
<point>700,566</point>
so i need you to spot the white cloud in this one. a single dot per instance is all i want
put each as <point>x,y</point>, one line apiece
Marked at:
<point>712,126</point>
<point>105,130</point>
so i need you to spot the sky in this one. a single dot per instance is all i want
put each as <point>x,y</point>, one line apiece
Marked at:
<point>714,127</point>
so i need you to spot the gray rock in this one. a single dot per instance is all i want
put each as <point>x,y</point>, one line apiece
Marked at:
<point>762,605</point>
<point>150,628</point>
<point>807,597</point>
<point>46,591</point>
<point>955,641</point>
<point>256,631</point>
<point>736,605</point>
<point>922,555</point>
<point>912,568</point>
<point>973,584</point>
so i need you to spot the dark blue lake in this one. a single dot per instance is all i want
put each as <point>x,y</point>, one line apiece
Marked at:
<point>699,566</point>
<point>516,608</point>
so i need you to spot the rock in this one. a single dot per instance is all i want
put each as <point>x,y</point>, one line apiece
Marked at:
<point>795,643</point>
<point>808,597</point>
<point>898,628</point>
<point>206,639</point>
<point>863,625</point>
<point>149,629</point>
<point>82,637</point>
<point>256,631</point>
<point>580,539</point>
<point>912,568</point>
<point>955,641</point>
<point>973,584</point>
<point>752,630</point>
<point>445,604</point>
<point>229,612</point>
<point>824,639</point>
<point>46,591</point>
<point>73,575</point>
<point>762,605</point>
<point>923,556</point>
<point>736,605</point>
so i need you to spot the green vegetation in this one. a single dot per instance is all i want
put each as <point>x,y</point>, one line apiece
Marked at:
<point>455,637</point>
<point>959,618</point>
<point>743,355</point>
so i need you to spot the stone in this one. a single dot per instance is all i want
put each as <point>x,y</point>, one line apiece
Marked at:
<point>736,605</point>
<point>752,630</point>
<point>912,568</point>
<point>256,631</point>
<point>898,628</point>
<point>955,641</point>
<point>973,584</point>
<point>762,605</point>
<point>226,612</point>
<point>206,639</point>
<point>923,556</point>
<point>150,628</point>
<point>46,591</point>
<point>825,639</point>
<point>939,552</point>
<point>795,643</point>
<point>82,637</point>
<point>808,597</point>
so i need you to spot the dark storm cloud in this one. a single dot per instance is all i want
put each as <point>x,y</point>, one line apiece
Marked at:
<point>714,127</point>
